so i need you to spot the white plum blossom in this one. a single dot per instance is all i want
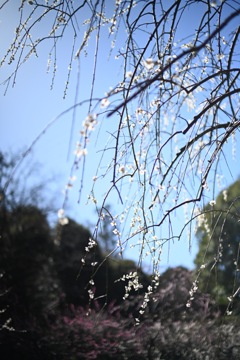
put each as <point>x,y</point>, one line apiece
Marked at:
<point>62,219</point>
<point>149,63</point>
<point>220,56</point>
<point>79,152</point>
<point>105,102</point>
<point>121,169</point>
<point>225,195</point>
<point>129,74</point>
<point>90,122</point>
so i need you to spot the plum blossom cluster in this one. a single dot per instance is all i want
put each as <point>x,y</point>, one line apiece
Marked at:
<point>133,283</point>
<point>192,292</point>
<point>92,243</point>
<point>146,300</point>
<point>89,124</point>
<point>80,151</point>
<point>62,219</point>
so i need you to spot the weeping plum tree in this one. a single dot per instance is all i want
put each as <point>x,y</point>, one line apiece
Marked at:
<point>163,123</point>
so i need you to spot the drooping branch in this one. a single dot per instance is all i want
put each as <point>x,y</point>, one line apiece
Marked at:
<point>195,49</point>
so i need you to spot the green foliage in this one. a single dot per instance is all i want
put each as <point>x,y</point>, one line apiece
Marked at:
<point>219,241</point>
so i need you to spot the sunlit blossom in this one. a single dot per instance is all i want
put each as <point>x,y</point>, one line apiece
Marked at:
<point>63,221</point>
<point>129,74</point>
<point>225,195</point>
<point>105,102</point>
<point>220,56</point>
<point>149,64</point>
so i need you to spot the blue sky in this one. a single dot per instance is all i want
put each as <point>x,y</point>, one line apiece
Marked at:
<point>30,106</point>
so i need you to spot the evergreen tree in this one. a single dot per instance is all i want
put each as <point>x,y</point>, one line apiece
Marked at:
<point>219,244</point>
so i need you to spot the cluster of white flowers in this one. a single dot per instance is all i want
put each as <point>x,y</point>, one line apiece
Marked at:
<point>225,195</point>
<point>149,63</point>
<point>187,45</point>
<point>120,10</point>
<point>202,221</point>
<point>94,263</point>
<point>91,282</point>
<point>133,283</point>
<point>91,244</point>
<point>145,300</point>
<point>79,151</point>
<point>62,219</point>
<point>155,281</point>
<point>135,220</point>
<point>89,124</point>
<point>7,326</point>
<point>91,294</point>
<point>220,56</point>
<point>206,59</point>
<point>104,103</point>
<point>116,232</point>
<point>129,74</point>
<point>192,292</point>
<point>212,202</point>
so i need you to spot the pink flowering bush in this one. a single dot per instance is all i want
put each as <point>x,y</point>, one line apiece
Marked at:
<point>94,335</point>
